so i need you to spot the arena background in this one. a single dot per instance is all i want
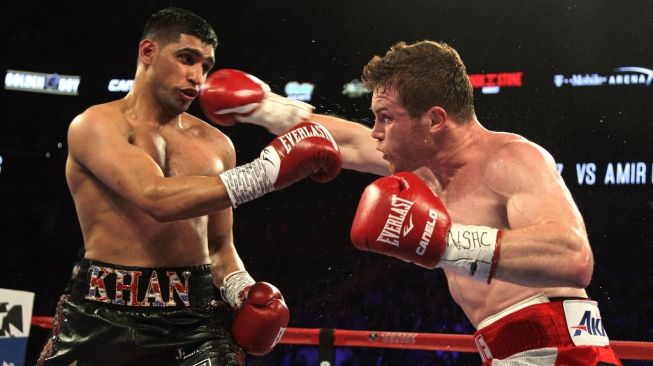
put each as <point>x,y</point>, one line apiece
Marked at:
<point>561,83</point>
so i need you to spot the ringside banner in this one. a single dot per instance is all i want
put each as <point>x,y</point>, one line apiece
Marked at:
<point>15,321</point>
<point>37,82</point>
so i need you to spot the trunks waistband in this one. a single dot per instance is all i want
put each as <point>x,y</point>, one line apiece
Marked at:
<point>142,288</point>
<point>565,323</point>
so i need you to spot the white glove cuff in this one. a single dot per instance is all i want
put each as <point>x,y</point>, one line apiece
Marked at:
<point>252,180</point>
<point>233,288</point>
<point>278,113</point>
<point>472,251</point>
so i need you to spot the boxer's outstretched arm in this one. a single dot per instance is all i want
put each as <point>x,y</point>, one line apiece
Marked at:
<point>101,146</point>
<point>546,244</point>
<point>232,95</point>
<point>356,144</point>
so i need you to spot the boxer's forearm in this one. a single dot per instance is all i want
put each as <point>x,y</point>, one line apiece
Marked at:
<point>183,197</point>
<point>356,144</point>
<point>223,256</point>
<point>545,255</point>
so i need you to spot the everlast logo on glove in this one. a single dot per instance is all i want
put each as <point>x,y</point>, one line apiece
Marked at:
<point>392,229</point>
<point>289,139</point>
<point>151,296</point>
<point>400,216</point>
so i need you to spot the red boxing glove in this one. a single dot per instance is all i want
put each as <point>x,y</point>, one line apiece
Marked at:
<point>308,149</point>
<point>261,320</point>
<point>230,95</point>
<point>400,216</point>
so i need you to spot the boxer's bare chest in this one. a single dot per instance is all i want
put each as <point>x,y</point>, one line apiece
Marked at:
<point>179,153</point>
<point>469,201</point>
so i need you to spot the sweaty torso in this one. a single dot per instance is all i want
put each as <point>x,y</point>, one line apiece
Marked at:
<point>115,230</point>
<point>469,201</point>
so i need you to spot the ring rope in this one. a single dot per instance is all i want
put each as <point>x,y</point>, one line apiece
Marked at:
<point>626,350</point>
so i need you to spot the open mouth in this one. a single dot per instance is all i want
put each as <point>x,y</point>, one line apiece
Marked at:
<point>190,92</point>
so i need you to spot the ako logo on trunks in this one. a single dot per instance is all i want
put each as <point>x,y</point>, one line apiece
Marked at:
<point>589,324</point>
<point>97,288</point>
<point>584,323</point>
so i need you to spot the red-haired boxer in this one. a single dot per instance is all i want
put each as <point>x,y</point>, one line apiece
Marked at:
<point>154,189</point>
<point>503,226</point>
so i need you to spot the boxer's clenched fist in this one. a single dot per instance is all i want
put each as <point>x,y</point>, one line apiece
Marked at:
<point>400,216</point>
<point>230,95</point>
<point>305,150</point>
<point>261,312</point>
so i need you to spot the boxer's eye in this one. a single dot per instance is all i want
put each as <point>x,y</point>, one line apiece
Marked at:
<point>207,66</point>
<point>187,59</point>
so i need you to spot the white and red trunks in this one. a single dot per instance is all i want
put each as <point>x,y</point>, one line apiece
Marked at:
<point>546,333</point>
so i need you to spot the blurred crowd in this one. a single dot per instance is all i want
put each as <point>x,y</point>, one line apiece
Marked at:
<point>383,294</point>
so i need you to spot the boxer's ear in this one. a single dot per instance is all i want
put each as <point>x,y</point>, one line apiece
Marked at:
<point>436,117</point>
<point>146,51</point>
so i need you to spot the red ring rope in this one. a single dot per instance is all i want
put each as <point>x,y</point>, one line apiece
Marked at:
<point>627,350</point>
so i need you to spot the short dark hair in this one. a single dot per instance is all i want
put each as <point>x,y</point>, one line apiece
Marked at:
<point>168,24</point>
<point>424,74</point>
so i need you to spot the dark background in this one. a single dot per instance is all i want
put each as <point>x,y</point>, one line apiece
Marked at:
<point>298,238</point>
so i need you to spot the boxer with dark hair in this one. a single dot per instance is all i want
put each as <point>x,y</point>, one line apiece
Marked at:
<point>489,208</point>
<point>154,189</point>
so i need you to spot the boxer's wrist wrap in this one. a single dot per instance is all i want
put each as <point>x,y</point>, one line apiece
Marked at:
<point>247,182</point>
<point>472,251</point>
<point>234,285</point>
<point>278,114</point>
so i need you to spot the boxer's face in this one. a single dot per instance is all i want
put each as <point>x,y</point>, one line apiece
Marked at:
<point>404,141</point>
<point>179,70</point>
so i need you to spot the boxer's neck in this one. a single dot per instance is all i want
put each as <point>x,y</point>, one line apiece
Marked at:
<point>457,149</point>
<point>143,108</point>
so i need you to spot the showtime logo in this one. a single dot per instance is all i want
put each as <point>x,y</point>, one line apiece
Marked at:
<point>491,83</point>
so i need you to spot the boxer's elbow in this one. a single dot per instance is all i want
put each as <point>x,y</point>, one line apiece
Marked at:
<point>582,267</point>
<point>158,206</point>
<point>158,211</point>
<point>162,216</point>
<point>580,262</point>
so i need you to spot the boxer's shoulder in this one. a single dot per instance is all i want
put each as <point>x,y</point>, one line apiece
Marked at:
<point>513,161</point>
<point>202,129</point>
<point>101,117</point>
<point>520,153</point>
<point>208,135</point>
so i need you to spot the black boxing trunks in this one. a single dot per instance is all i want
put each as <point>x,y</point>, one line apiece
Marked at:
<point>119,315</point>
<point>546,332</point>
